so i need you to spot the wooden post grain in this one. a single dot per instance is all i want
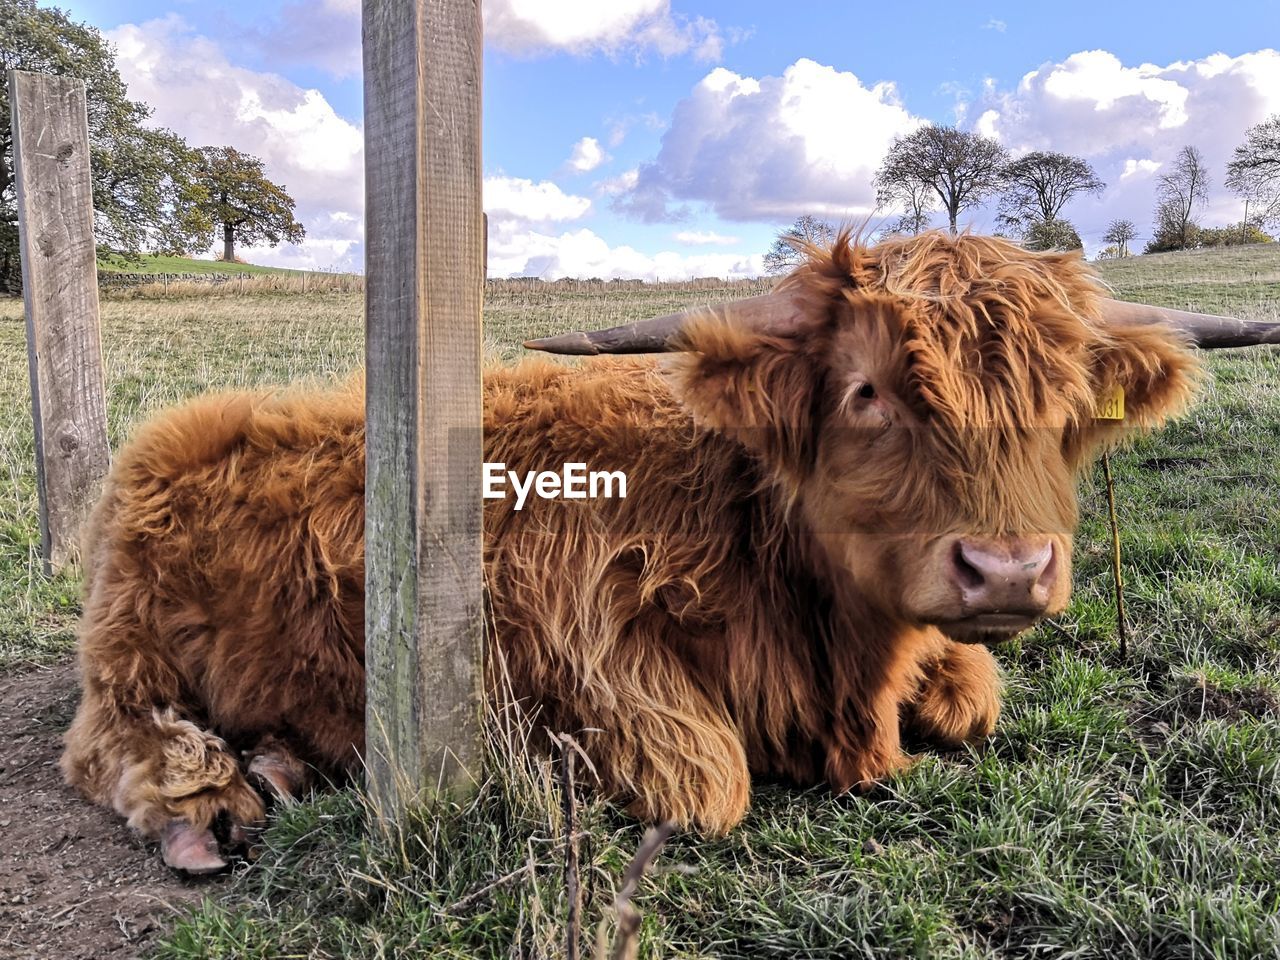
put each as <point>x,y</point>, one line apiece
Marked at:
<point>423,291</point>
<point>60,290</point>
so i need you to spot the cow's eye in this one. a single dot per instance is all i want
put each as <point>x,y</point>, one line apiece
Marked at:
<point>867,392</point>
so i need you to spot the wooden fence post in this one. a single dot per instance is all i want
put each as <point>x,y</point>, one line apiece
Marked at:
<point>60,290</point>
<point>423,298</point>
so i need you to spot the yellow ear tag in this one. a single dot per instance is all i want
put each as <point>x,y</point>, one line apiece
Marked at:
<point>1110,404</point>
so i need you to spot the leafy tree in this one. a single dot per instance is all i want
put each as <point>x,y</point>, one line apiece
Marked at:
<point>785,253</point>
<point>1051,235</point>
<point>1170,232</point>
<point>1253,173</point>
<point>1037,186</point>
<point>962,169</point>
<point>1120,233</point>
<point>1233,235</point>
<point>141,175</point>
<point>240,199</point>
<point>1182,191</point>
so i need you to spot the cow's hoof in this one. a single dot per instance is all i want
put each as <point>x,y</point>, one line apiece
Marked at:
<point>193,851</point>
<point>278,774</point>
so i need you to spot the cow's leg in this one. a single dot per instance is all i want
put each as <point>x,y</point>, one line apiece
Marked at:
<point>959,700</point>
<point>662,746</point>
<point>694,772</point>
<point>870,684</point>
<point>170,779</point>
<point>864,744</point>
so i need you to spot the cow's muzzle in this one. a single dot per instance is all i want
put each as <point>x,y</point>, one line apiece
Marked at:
<point>1003,586</point>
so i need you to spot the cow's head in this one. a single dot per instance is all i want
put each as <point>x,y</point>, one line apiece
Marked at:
<point>924,408</point>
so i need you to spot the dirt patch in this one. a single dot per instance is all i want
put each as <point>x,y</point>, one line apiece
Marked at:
<point>1172,463</point>
<point>1201,700</point>
<point>75,883</point>
<point>1192,700</point>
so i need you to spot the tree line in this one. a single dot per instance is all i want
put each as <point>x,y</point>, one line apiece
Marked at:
<point>942,169</point>
<point>151,190</point>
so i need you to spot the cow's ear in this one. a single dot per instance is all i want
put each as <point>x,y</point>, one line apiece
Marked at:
<point>1156,373</point>
<point>758,389</point>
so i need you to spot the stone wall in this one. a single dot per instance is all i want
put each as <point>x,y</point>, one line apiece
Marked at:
<point>111,279</point>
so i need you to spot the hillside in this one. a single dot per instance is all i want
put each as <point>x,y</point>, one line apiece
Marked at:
<point>150,263</point>
<point>1223,280</point>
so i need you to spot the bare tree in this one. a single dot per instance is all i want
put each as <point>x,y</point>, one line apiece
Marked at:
<point>1182,191</point>
<point>914,199</point>
<point>785,254</point>
<point>1254,173</point>
<point>961,169</point>
<point>1038,185</point>
<point>1261,148</point>
<point>1119,233</point>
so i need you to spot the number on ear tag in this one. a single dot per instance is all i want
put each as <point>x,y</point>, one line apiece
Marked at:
<point>1110,404</point>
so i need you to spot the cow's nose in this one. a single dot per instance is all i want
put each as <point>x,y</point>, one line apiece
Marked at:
<point>1012,576</point>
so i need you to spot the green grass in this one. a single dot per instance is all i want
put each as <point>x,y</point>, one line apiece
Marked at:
<point>150,263</point>
<point>1218,280</point>
<point>1123,809</point>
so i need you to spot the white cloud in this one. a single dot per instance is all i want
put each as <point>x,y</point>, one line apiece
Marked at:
<point>772,148</point>
<point>582,253</point>
<point>587,154</point>
<point>619,127</point>
<point>1138,168</point>
<point>524,241</point>
<point>519,200</point>
<point>586,26</point>
<point>326,33</point>
<point>999,26</point>
<point>986,124</point>
<point>1092,103</point>
<point>702,238</point>
<point>1129,121</point>
<point>620,184</point>
<point>305,145</point>
<point>961,97</point>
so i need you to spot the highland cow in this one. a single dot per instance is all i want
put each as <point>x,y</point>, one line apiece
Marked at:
<point>838,495</point>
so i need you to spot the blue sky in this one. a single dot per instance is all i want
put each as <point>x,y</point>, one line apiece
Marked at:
<point>667,138</point>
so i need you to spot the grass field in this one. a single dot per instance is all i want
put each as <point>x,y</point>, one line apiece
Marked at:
<point>1122,809</point>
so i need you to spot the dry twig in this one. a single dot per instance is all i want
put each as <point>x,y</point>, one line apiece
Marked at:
<point>573,887</point>
<point>627,942</point>
<point>466,901</point>
<point>1115,560</point>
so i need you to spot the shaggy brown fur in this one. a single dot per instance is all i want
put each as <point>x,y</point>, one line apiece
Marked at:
<point>763,602</point>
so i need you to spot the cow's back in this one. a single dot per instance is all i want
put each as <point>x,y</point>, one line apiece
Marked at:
<point>237,523</point>
<point>234,525</point>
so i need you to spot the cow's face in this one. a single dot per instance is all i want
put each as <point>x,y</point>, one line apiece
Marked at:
<point>931,449</point>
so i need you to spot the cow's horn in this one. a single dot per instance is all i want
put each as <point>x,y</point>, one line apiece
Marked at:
<point>781,313</point>
<point>1204,330</point>
<point>777,313</point>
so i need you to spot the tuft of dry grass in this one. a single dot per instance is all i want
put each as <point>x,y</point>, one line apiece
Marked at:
<point>291,283</point>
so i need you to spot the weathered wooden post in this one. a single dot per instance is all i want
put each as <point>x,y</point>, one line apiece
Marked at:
<point>423,293</point>
<point>60,289</point>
